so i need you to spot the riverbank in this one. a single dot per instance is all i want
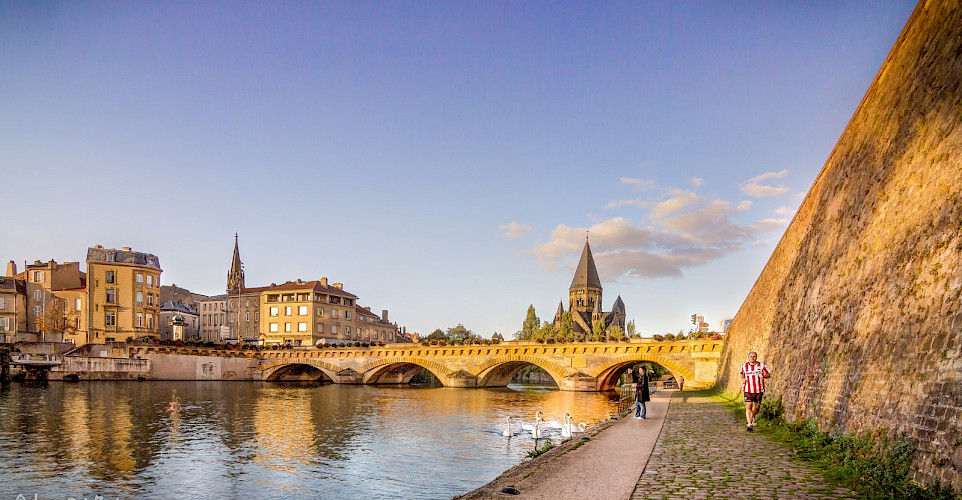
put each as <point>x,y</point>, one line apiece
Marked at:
<point>699,450</point>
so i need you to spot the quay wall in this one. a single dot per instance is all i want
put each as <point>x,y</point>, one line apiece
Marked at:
<point>859,309</point>
<point>100,368</point>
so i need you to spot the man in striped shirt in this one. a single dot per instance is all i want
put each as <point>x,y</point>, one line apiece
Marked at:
<point>753,385</point>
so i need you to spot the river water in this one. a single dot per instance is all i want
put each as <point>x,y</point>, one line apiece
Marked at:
<point>262,440</point>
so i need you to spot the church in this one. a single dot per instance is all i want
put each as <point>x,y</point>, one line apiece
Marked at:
<point>584,299</point>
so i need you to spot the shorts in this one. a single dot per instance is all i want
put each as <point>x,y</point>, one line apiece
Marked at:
<point>754,397</point>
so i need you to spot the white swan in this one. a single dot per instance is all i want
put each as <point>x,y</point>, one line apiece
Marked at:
<point>536,432</point>
<point>554,424</point>
<point>530,427</point>
<point>569,428</point>
<point>507,431</point>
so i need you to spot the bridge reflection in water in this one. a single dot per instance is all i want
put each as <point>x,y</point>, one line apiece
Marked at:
<point>251,439</point>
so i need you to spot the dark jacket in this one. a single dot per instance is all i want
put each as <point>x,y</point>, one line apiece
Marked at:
<point>642,391</point>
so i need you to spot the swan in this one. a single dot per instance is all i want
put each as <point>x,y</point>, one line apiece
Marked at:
<point>554,424</point>
<point>507,432</point>
<point>536,432</point>
<point>530,427</point>
<point>570,428</point>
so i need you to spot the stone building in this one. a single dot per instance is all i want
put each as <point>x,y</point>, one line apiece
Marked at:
<point>13,305</point>
<point>56,302</point>
<point>584,300</point>
<point>190,317</point>
<point>123,292</point>
<point>212,311</point>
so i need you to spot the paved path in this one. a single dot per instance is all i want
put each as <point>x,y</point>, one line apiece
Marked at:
<point>704,451</point>
<point>693,448</point>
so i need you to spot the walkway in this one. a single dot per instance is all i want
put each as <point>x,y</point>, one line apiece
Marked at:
<point>704,451</point>
<point>696,448</point>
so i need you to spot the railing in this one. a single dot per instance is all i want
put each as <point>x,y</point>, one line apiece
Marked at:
<point>627,400</point>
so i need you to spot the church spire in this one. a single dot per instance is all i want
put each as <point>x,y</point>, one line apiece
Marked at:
<point>235,277</point>
<point>586,275</point>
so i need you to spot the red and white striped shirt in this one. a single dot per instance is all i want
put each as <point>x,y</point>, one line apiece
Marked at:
<point>754,377</point>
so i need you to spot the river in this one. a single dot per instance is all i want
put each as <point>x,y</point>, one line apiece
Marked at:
<point>262,440</point>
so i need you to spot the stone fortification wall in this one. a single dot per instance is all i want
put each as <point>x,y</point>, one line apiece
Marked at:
<point>858,309</point>
<point>194,367</point>
<point>100,368</point>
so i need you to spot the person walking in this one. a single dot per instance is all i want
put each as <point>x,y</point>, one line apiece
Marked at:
<point>641,394</point>
<point>753,375</point>
<point>681,383</point>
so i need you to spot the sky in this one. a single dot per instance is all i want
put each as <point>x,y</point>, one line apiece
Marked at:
<point>443,160</point>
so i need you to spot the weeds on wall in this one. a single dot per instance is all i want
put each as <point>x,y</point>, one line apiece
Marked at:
<point>871,463</point>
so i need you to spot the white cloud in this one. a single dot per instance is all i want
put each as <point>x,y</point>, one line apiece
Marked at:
<point>677,202</point>
<point>514,230</point>
<point>768,175</point>
<point>622,203</point>
<point>639,184</point>
<point>763,190</point>
<point>770,224</point>
<point>697,181</point>
<point>784,211</point>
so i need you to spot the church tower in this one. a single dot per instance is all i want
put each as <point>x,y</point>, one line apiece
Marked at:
<point>584,295</point>
<point>235,277</point>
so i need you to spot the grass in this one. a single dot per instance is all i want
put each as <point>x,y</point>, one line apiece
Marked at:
<point>546,445</point>
<point>872,464</point>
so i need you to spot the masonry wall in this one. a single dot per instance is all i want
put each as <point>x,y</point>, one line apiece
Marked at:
<point>858,309</point>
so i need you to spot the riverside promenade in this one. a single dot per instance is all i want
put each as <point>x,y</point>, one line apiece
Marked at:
<point>691,446</point>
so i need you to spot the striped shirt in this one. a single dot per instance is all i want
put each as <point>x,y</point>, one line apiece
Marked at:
<point>754,377</point>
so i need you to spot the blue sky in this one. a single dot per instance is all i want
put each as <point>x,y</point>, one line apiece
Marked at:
<point>443,160</point>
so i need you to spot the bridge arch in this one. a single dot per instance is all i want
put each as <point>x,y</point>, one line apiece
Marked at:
<point>497,372</point>
<point>275,369</point>
<point>609,372</point>
<point>400,370</point>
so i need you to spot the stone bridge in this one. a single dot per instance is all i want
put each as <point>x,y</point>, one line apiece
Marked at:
<point>591,366</point>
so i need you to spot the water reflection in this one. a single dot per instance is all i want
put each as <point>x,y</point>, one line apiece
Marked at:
<point>239,439</point>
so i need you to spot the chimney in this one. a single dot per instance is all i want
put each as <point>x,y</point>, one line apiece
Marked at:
<point>384,315</point>
<point>323,280</point>
<point>11,269</point>
<point>339,286</point>
<point>126,249</point>
<point>98,246</point>
<point>37,263</point>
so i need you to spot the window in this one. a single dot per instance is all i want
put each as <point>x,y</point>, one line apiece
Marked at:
<point>287,327</point>
<point>248,302</point>
<point>232,304</point>
<point>110,277</point>
<point>76,324</point>
<point>274,311</point>
<point>247,316</point>
<point>302,327</point>
<point>150,321</point>
<point>334,313</point>
<point>347,314</point>
<point>110,318</point>
<point>320,328</point>
<point>110,257</point>
<point>78,304</point>
<point>37,310</point>
<point>111,296</point>
<point>302,310</point>
<point>2,303</point>
<point>38,295</point>
<point>150,299</point>
<point>320,311</point>
<point>140,279</point>
<point>4,324</point>
<point>140,298</point>
<point>287,311</point>
<point>231,317</point>
<point>139,320</point>
<point>273,327</point>
<point>333,328</point>
<point>347,330</point>
<point>257,316</point>
<point>150,280</point>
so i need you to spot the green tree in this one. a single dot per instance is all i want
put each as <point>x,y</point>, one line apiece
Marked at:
<point>547,331</point>
<point>598,331</point>
<point>617,333</point>
<point>460,333</point>
<point>631,328</point>
<point>565,329</point>
<point>530,326</point>
<point>437,335</point>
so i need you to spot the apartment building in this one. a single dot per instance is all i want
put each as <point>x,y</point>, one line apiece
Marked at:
<point>213,311</point>
<point>123,292</point>
<point>13,305</point>
<point>190,317</point>
<point>56,302</point>
<point>303,313</point>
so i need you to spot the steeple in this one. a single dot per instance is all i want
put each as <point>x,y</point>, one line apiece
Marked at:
<point>586,275</point>
<point>235,277</point>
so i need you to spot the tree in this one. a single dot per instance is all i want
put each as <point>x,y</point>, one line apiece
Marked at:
<point>547,331</point>
<point>55,318</point>
<point>530,326</point>
<point>437,335</point>
<point>565,329</point>
<point>598,331</point>
<point>617,333</point>
<point>631,328</point>
<point>460,333</point>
